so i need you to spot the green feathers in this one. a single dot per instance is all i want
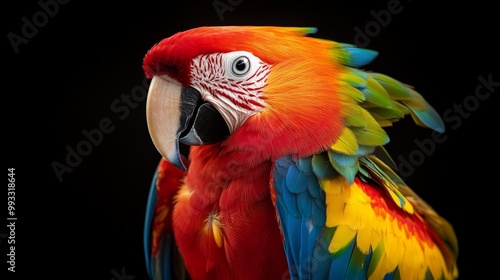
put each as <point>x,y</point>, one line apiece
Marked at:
<point>422,113</point>
<point>370,102</point>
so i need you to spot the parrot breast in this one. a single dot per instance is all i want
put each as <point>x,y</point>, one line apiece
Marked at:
<point>224,221</point>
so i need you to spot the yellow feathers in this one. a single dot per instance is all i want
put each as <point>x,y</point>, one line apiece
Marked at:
<point>361,215</point>
<point>346,144</point>
<point>214,226</point>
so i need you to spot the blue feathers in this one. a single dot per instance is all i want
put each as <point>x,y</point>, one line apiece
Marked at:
<point>149,223</point>
<point>430,118</point>
<point>341,263</point>
<point>300,204</point>
<point>358,56</point>
<point>321,166</point>
<point>346,165</point>
<point>159,265</point>
<point>296,181</point>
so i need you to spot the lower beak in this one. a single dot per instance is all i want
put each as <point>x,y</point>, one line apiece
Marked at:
<point>177,116</point>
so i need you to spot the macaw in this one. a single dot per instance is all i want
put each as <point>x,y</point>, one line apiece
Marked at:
<point>274,164</point>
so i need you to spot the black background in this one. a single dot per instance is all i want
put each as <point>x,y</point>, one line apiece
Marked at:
<point>87,56</point>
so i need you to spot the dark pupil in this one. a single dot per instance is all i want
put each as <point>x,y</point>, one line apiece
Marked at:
<point>241,65</point>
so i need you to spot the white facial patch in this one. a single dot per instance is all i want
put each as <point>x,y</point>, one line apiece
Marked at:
<point>232,82</point>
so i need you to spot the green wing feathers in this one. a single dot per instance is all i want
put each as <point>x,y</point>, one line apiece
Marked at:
<point>386,99</point>
<point>370,102</point>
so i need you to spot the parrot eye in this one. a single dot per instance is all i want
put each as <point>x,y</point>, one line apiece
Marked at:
<point>241,66</point>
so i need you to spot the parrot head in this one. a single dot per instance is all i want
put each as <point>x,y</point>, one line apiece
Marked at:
<point>269,90</point>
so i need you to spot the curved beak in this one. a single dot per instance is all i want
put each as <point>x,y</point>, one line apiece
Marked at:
<point>177,116</point>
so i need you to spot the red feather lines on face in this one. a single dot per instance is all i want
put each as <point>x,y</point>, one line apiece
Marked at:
<point>208,73</point>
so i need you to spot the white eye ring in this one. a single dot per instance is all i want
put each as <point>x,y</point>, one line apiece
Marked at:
<point>240,66</point>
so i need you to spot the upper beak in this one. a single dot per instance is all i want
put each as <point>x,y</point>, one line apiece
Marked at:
<point>177,115</point>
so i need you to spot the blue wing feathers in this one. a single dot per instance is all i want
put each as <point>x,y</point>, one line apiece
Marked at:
<point>430,118</point>
<point>364,150</point>
<point>358,56</point>
<point>321,166</point>
<point>301,210</point>
<point>296,180</point>
<point>313,187</point>
<point>318,214</point>
<point>340,262</point>
<point>320,266</point>
<point>368,259</point>
<point>150,210</point>
<point>344,164</point>
<point>344,160</point>
<point>290,202</point>
<point>305,165</point>
<point>389,276</point>
<point>305,204</point>
<point>294,240</point>
<point>311,232</point>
